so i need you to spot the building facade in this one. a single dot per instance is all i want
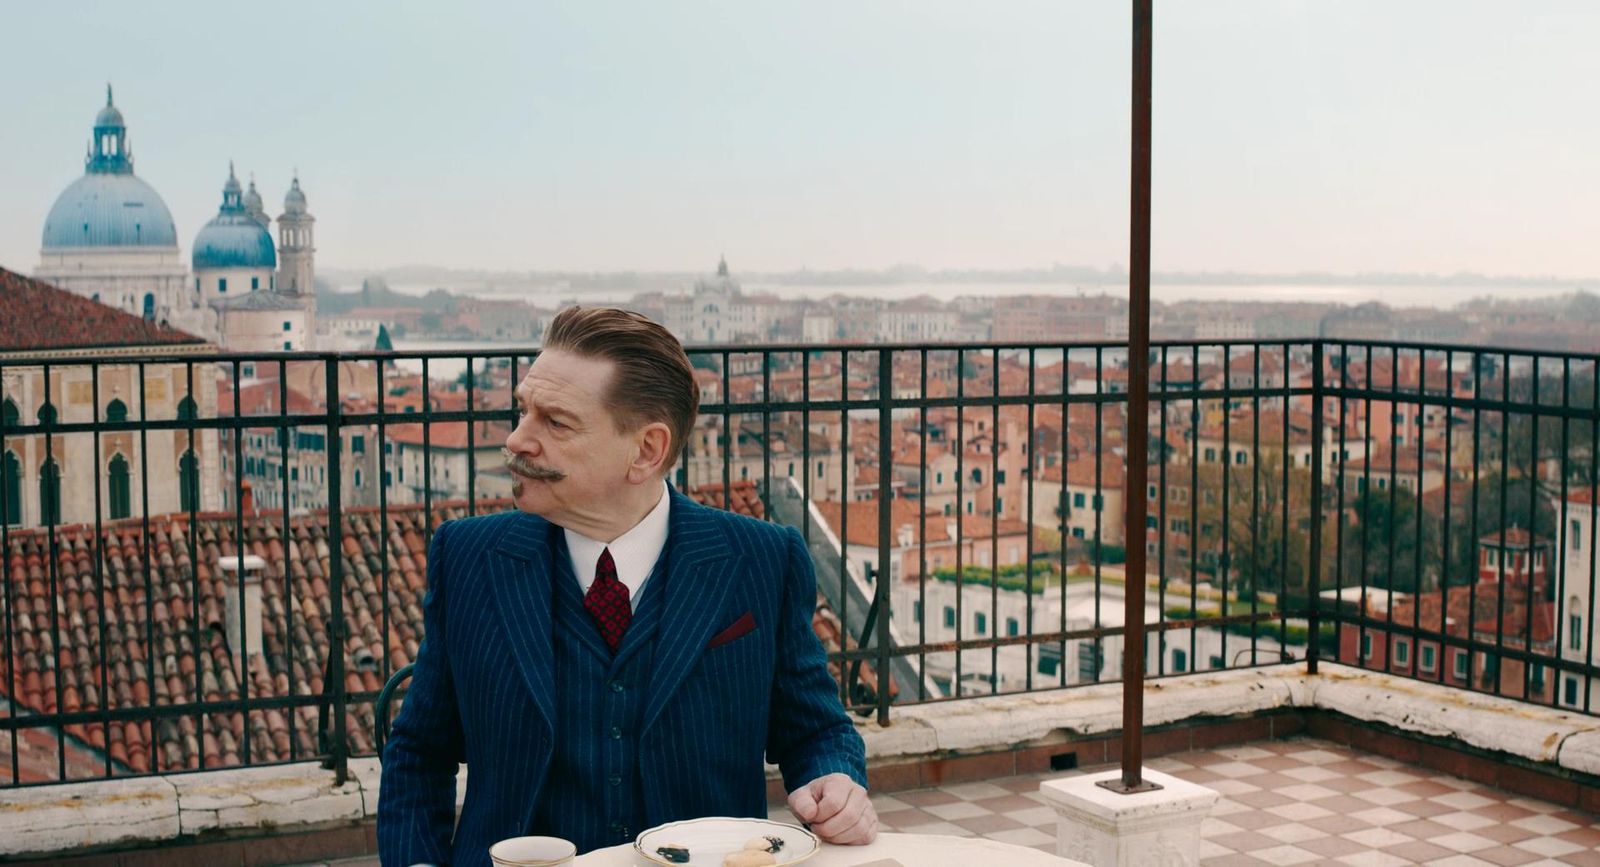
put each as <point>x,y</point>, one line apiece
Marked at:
<point>87,477</point>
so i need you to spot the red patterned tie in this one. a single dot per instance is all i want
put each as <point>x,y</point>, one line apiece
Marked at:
<point>607,601</point>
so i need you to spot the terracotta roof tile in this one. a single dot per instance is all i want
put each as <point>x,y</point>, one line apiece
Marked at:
<point>164,647</point>
<point>746,498</point>
<point>168,645</point>
<point>904,514</point>
<point>452,434</point>
<point>41,317</point>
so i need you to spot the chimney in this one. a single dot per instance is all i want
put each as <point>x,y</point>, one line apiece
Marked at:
<point>247,499</point>
<point>244,636</point>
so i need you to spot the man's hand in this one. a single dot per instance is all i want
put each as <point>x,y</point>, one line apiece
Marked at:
<point>837,809</point>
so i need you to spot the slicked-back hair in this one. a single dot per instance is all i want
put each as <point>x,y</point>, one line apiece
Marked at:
<point>654,381</point>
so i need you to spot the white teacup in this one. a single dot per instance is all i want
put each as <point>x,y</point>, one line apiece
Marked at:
<point>532,852</point>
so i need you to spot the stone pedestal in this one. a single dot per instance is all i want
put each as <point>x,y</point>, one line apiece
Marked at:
<point>1103,828</point>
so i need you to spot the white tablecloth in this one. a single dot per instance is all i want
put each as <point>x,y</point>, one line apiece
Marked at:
<point>912,850</point>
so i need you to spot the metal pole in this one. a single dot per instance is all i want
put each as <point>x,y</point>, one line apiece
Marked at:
<point>885,678</point>
<point>338,632</point>
<point>1314,587</point>
<point>1135,506</point>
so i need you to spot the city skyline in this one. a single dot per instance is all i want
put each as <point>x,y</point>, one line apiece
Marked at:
<point>1289,137</point>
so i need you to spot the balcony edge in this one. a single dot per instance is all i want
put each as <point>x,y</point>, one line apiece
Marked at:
<point>1414,721</point>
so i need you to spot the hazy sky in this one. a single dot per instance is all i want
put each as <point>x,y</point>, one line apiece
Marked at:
<point>1343,135</point>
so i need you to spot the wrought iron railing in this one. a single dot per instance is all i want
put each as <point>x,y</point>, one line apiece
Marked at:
<point>217,561</point>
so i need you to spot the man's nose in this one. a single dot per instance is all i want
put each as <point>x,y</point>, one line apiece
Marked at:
<point>520,442</point>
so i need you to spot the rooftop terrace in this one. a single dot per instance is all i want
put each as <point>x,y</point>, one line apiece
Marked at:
<point>135,660</point>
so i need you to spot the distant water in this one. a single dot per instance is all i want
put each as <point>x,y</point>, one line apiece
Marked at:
<point>1395,295</point>
<point>1441,296</point>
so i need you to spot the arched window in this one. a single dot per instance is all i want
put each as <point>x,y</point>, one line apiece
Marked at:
<point>9,416</point>
<point>11,486</point>
<point>47,413</point>
<point>120,495</point>
<point>116,410</point>
<point>187,410</point>
<point>50,493</point>
<point>150,306</point>
<point>189,482</point>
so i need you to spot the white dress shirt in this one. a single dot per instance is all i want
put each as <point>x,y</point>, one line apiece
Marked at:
<point>635,552</point>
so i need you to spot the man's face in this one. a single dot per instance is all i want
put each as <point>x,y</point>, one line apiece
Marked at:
<point>567,458</point>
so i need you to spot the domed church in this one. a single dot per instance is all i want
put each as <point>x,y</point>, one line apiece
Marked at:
<point>264,300</point>
<point>233,254</point>
<point>110,237</point>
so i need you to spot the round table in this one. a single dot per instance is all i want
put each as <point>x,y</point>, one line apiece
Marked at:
<point>911,850</point>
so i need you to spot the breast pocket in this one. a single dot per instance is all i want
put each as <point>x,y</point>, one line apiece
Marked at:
<point>736,663</point>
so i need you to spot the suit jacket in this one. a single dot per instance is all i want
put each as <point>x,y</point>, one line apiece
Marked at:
<point>737,672</point>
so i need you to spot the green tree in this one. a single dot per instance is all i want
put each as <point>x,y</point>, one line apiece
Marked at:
<point>482,381</point>
<point>1382,547</point>
<point>1266,550</point>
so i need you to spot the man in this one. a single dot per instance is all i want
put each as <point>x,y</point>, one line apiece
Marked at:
<point>611,655</point>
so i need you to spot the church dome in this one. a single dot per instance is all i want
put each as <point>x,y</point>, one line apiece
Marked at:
<point>109,206</point>
<point>254,206</point>
<point>109,210</point>
<point>294,201</point>
<point>233,238</point>
<point>109,116</point>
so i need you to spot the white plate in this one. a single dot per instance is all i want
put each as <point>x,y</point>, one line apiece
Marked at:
<point>712,839</point>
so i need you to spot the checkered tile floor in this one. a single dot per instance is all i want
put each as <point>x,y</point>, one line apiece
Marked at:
<point>1297,801</point>
<point>1294,802</point>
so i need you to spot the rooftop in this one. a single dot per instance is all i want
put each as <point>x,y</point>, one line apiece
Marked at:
<point>42,318</point>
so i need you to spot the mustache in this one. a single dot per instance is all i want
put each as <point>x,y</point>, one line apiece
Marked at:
<point>520,465</point>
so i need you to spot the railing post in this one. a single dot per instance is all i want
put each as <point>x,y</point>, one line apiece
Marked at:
<point>885,525</point>
<point>1314,584</point>
<point>336,627</point>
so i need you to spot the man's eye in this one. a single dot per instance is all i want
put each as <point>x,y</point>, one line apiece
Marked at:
<point>557,424</point>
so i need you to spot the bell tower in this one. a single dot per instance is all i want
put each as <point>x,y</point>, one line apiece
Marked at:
<point>296,249</point>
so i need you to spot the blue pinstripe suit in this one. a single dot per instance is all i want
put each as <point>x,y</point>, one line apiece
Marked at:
<point>485,690</point>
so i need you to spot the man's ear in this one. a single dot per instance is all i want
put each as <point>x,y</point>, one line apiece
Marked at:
<point>652,447</point>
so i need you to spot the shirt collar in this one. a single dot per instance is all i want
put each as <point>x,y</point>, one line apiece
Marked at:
<point>635,551</point>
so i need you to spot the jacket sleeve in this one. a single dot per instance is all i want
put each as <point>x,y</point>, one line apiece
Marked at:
<point>417,792</point>
<point>809,733</point>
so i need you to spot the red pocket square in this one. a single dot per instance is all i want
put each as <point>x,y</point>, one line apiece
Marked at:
<point>744,624</point>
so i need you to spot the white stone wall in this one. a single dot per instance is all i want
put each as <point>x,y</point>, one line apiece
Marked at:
<point>223,284</point>
<point>1178,650</point>
<point>818,329</point>
<point>449,470</point>
<point>916,326</point>
<point>121,277</point>
<point>1579,563</point>
<point>264,330</point>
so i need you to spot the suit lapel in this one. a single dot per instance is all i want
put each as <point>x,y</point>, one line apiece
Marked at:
<point>520,572</point>
<point>700,564</point>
